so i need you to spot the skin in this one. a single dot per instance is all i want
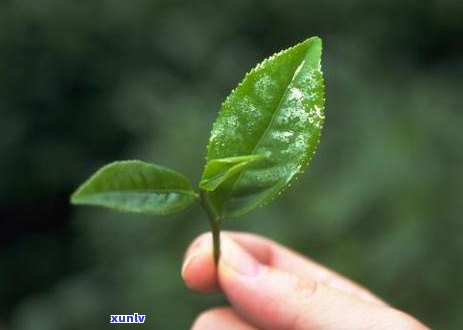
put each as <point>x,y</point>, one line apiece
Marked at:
<point>273,288</point>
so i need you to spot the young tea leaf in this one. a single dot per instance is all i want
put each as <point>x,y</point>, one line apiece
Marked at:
<point>219,170</point>
<point>276,112</point>
<point>136,186</point>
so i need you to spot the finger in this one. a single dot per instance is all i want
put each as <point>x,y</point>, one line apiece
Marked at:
<point>277,256</point>
<point>270,298</point>
<point>199,272</point>
<point>223,318</point>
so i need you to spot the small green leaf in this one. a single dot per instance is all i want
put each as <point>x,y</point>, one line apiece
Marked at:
<point>136,186</point>
<point>276,111</point>
<point>219,170</point>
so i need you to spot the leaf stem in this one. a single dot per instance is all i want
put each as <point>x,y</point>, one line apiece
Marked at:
<point>215,222</point>
<point>215,227</point>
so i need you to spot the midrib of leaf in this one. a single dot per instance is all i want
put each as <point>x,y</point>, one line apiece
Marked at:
<point>147,191</point>
<point>272,119</point>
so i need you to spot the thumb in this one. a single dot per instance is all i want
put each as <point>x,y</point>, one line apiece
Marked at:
<point>270,298</point>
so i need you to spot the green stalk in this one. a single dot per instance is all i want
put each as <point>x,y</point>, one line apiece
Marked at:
<point>215,222</point>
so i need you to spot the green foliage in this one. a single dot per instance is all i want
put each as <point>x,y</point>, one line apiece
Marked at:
<point>277,113</point>
<point>266,132</point>
<point>217,171</point>
<point>135,186</point>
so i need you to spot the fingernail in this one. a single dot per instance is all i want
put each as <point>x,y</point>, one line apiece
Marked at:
<point>238,260</point>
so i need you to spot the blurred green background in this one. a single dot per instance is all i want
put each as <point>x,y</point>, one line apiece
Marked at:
<point>83,83</point>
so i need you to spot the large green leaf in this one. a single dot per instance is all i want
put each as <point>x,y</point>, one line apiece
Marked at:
<point>276,111</point>
<point>136,186</point>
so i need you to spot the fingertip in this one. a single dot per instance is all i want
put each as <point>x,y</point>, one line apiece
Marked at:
<point>198,269</point>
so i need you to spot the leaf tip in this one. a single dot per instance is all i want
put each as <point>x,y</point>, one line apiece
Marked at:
<point>74,199</point>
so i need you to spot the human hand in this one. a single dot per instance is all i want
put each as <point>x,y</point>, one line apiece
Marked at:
<point>271,287</point>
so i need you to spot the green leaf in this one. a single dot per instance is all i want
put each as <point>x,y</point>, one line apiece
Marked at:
<point>219,170</point>
<point>276,111</point>
<point>136,186</point>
